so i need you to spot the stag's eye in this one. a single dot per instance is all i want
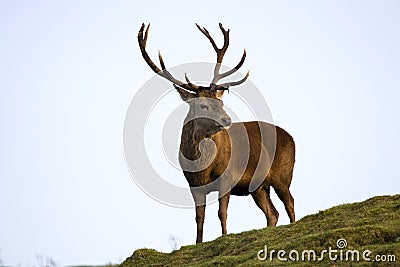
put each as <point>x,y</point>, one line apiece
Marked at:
<point>203,106</point>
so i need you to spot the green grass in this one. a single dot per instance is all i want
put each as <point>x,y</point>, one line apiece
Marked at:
<point>373,224</point>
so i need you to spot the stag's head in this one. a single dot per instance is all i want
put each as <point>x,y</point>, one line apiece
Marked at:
<point>205,102</point>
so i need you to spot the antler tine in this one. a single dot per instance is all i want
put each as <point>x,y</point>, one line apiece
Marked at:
<point>142,39</point>
<point>226,43</point>
<point>231,71</point>
<point>207,34</point>
<point>220,55</point>
<point>187,79</point>
<point>220,51</point>
<point>161,60</point>
<point>229,84</point>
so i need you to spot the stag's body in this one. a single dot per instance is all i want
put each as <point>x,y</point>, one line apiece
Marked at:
<point>234,159</point>
<point>228,144</point>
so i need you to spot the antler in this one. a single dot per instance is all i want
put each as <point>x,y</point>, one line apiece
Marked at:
<point>220,55</point>
<point>163,72</point>
<point>142,39</point>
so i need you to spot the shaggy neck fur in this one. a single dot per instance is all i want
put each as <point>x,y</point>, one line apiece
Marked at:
<point>196,145</point>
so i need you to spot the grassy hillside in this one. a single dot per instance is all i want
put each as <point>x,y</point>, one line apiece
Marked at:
<point>370,225</point>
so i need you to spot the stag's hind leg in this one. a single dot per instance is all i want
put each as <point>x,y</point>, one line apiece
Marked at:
<point>286,197</point>
<point>263,201</point>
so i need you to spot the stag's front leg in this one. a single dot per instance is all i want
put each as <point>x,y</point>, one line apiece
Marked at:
<point>200,211</point>
<point>200,202</point>
<point>223,210</point>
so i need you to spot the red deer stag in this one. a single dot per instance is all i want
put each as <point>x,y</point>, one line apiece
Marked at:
<point>231,158</point>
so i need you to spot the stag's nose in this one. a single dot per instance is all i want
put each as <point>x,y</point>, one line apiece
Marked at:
<point>226,121</point>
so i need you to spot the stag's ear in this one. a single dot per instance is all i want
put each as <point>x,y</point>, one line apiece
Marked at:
<point>185,95</point>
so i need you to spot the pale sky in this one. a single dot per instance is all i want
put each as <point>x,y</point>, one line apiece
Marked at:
<point>329,71</point>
